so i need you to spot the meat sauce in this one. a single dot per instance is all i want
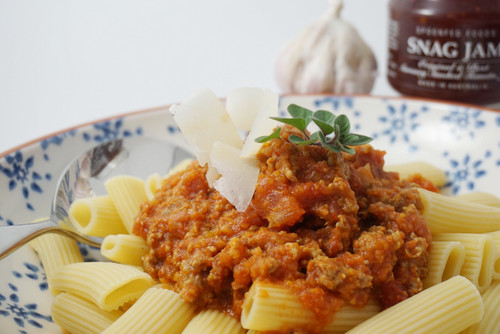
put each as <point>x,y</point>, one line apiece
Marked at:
<point>334,228</point>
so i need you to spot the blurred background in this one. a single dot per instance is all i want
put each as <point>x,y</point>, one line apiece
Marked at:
<point>64,62</point>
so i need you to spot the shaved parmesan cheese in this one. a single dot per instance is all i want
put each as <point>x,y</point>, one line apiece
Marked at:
<point>243,105</point>
<point>232,166</point>
<point>238,175</point>
<point>203,120</point>
<point>212,174</point>
<point>251,109</point>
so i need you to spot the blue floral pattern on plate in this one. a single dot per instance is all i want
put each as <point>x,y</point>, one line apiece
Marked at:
<point>109,130</point>
<point>462,140</point>
<point>21,176</point>
<point>25,315</point>
<point>464,121</point>
<point>400,122</point>
<point>464,172</point>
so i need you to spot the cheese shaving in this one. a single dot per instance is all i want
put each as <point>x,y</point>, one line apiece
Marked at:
<point>212,130</point>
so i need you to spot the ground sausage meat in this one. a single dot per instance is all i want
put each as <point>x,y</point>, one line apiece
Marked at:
<point>335,228</point>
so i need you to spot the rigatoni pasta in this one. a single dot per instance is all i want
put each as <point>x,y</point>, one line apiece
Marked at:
<point>127,194</point>
<point>270,307</point>
<point>179,167</point>
<point>490,323</point>
<point>55,251</point>
<point>96,216</point>
<point>446,259</point>
<point>80,316</point>
<point>124,248</point>
<point>153,181</point>
<point>214,322</point>
<point>436,175</point>
<point>480,254</point>
<point>349,317</point>
<point>447,307</point>
<point>496,265</point>
<point>480,198</point>
<point>109,285</point>
<point>158,310</point>
<point>445,214</point>
<point>152,184</point>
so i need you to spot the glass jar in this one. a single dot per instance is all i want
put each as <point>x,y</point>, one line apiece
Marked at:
<point>445,49</point>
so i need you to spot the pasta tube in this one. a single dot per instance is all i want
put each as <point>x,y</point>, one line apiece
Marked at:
<point>480,198</point>
<point>152,184</point>
<point>158,310</point>
<point>80,316</point>
<point>55,251</point>
<point>107,284</point>
<point>96,216</point>
<point>214,322</point>
<point>496,265</point>
<point>179,167</point>
<point>490,322</point>
<point>269,307</point>
<point>447,307</point>
<point>349,316</point>
<point>480,254</point>
<point>436,175</point>
<point>124,248</point>
<point>447,214</point>
<point>127,194</point>
<point>446,259</point>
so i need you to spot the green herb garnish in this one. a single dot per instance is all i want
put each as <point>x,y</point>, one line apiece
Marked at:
<point>328,124</point>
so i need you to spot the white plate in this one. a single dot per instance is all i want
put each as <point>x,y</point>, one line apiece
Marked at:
<point>462,140</point>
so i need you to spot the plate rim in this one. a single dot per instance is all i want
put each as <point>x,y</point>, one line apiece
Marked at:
<point>166,106</point>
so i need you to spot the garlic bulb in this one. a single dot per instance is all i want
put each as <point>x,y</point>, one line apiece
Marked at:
<point>329,56</point>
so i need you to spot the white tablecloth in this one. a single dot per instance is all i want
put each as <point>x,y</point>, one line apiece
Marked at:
<point>64,62</point>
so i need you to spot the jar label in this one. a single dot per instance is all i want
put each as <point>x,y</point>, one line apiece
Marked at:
<point>434,58</point>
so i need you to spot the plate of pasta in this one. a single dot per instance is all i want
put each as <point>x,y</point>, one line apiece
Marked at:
<point>429,161</point>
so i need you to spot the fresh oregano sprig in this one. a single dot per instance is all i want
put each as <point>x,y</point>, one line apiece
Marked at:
<point>334,131</point>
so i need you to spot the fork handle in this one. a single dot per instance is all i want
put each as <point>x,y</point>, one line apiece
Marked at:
<point>12,237</point>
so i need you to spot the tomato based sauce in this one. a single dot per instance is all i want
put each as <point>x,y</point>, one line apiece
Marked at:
<point>334,228</point>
